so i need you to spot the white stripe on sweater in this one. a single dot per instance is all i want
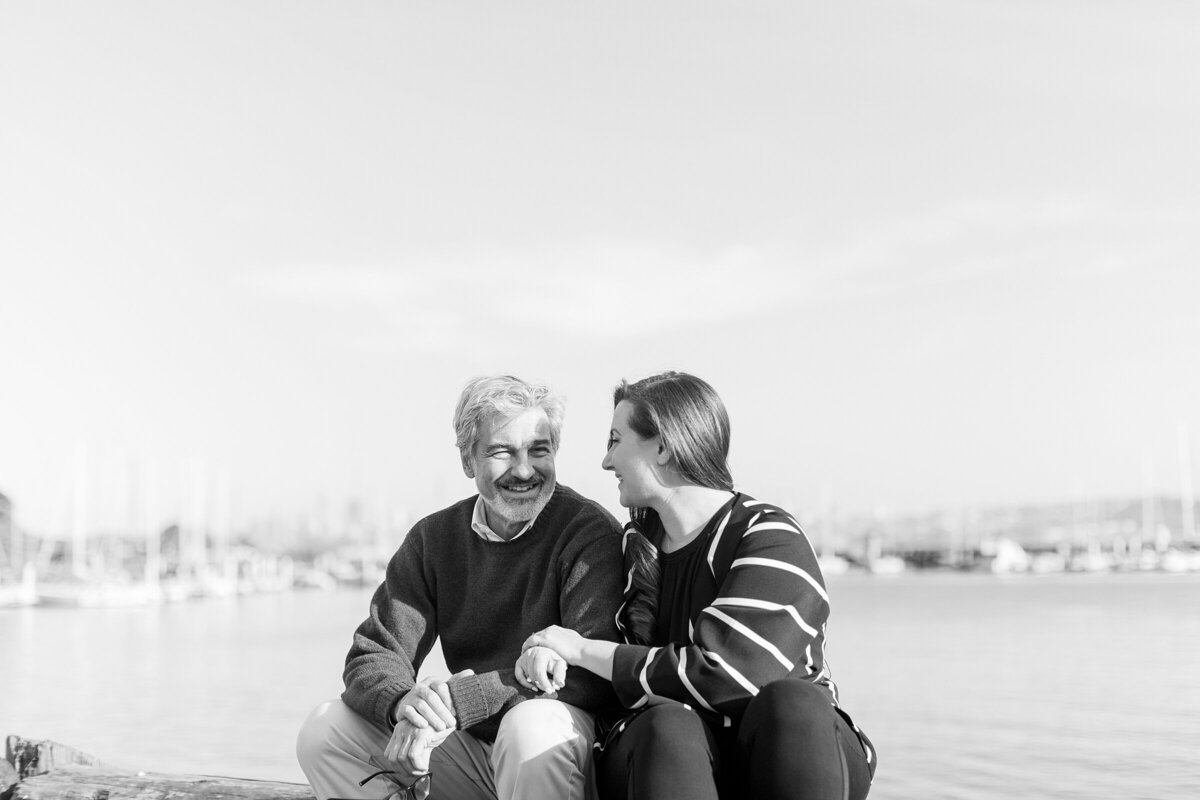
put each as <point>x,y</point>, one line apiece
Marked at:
<point>773,526</point>
<point>788,526</point>
<point>733,673</point>
<point>712,549</point>
<point>775,510</point>
<point>752,636</point>
<point>645,670</point>
<point>687,683</point>
<point>750,602</point>
<point>783,565</point>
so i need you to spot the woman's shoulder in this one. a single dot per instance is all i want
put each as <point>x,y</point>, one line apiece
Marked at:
<point>754,525</point>
<point>747,510</point>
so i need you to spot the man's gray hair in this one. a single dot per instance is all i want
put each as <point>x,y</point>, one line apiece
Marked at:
<point>502,396</point>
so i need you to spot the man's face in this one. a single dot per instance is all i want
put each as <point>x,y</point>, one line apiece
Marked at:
<point>513,467</point>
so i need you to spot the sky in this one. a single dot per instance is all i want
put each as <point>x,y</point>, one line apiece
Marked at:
<point>932,254</point>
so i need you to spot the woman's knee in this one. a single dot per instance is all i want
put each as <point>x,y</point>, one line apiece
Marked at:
<point>791,745</point>
<point>671,731</point>
<point>665,751</point>
<point>788,704</point>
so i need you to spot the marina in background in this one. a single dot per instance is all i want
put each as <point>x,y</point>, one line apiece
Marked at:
<point>198,555</point>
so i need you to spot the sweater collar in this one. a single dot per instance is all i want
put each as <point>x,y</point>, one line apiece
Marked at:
<point>480,526</point>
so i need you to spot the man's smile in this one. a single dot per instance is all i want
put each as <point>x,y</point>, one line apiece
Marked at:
<point>520,488</point>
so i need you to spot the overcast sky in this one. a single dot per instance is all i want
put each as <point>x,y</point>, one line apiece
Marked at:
<point>931,253</point>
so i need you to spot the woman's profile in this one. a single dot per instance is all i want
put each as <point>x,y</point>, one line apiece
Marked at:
<point>722,669</point>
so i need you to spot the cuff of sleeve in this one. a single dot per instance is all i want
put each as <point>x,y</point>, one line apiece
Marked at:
<point>385,700</point>
<point>628,660</point>
<point>470,695</point>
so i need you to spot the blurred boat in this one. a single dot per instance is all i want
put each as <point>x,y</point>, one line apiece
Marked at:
<point>886,565</point>
<point>96,594</point>
<point>23,593</point>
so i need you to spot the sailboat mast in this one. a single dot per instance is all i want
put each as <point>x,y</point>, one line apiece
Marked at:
<point>150,524</point>
<point>1148,533</point>
<point>79,512</point>
<point>1187,497</point>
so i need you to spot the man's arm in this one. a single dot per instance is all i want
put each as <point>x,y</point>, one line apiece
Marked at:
<point>390,644</point>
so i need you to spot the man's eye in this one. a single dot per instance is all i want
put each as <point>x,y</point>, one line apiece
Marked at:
<point>540,451</point>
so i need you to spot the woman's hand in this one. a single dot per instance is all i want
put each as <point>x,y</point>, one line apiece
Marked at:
<point>541,669</point>
<point>564,641</point>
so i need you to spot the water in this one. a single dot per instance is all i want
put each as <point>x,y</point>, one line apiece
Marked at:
<point>971,686</point>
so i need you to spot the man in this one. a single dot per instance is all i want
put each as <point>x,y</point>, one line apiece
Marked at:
<point>482,574</point>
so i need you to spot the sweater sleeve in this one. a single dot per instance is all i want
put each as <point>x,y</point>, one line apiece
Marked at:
<point>765,623</point>
<point>589,592</point>
<point>590,596</point>
<point>390,644</point>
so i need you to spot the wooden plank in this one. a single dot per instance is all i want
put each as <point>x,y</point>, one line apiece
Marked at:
<point>45,770</point>
<point>100,783</point>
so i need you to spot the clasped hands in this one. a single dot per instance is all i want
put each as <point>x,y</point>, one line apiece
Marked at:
<point>545,657</point>
<point>424,717</point>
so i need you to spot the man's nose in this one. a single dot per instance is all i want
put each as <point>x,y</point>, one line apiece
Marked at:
<point>521,468</point>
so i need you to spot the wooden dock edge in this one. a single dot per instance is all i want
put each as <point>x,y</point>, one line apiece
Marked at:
<point>46,770</point>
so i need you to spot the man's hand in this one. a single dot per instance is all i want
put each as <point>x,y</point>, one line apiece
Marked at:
<point>424,718</point>
<point>541,669</point>
<point>410,747</point>
<point>428,705</point>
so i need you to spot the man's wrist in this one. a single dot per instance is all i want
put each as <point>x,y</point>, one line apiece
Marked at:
<point>394,713</point>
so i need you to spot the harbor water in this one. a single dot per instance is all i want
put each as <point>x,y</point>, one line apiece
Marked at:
<point>972,686</point>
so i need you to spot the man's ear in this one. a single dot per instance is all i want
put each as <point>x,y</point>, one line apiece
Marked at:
<point>467,468</point>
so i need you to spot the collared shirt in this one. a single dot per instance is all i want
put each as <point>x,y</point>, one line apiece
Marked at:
<point>480,526</point>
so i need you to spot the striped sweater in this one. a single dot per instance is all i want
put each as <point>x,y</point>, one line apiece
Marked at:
<point>764,619</point>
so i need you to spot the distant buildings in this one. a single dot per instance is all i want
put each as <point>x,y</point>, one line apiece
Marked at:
<point>1141,533</point>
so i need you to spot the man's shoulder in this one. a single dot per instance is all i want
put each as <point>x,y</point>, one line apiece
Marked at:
<point>571,505</point>
<point>456,514</point>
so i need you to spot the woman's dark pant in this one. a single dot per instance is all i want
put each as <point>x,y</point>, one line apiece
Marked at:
<point>790,743</point>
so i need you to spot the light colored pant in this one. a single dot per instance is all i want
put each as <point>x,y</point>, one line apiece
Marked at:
<point>543,751</point>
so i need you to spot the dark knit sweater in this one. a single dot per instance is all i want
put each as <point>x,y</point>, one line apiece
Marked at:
<point>483,598</point>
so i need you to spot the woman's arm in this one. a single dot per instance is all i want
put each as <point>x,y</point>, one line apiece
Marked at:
<point>594,655</point>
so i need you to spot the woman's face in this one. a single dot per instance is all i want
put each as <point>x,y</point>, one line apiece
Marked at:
<point>634,460</point>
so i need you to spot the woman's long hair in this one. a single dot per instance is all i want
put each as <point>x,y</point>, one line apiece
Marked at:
<point>690,420</point>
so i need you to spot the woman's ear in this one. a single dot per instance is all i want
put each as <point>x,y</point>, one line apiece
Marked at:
<point>662,456</point>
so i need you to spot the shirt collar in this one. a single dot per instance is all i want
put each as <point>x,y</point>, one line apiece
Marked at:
<point>480,526</point>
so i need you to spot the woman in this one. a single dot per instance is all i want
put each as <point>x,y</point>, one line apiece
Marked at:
<point>724,617</point>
